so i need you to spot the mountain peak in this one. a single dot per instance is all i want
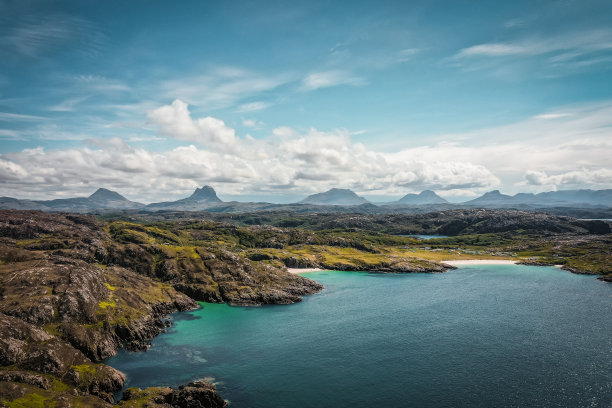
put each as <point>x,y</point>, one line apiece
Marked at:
<point>206,193</point>
<point>335,196</point>
<point>424,197</point>
<point>103,194</point>
<point>491,198</point>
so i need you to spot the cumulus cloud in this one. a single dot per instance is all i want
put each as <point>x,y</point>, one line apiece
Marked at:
<point>583,177</point>
<point>288,160</point>
<point>175,121</point>
<point>11,171</point>
<point>572,150</point>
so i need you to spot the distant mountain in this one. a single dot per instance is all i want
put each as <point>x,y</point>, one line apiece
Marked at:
<point>335,196</point>
<point>102,199</point>
<point>201,198</point>
<point>581,203</point>
<point>105,195</point>
<point>425,197</point>
<point>563,198</point>
<point>10,203</point>
<point>593,197</point>
<point>204,194</point>
<point>491,198</point>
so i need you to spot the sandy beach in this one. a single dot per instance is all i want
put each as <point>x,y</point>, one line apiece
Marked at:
<point>460,262</point>
<point>303,270</point>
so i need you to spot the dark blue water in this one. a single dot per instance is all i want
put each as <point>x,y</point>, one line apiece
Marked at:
<point>479,336</point>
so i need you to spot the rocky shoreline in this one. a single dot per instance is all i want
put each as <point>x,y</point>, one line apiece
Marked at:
<point>69,299</point>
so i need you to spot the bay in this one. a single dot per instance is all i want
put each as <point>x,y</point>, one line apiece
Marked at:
<point>481,336</point>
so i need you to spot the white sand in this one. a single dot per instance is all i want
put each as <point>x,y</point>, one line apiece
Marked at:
<point>302,270</point>
<point>460,262</point>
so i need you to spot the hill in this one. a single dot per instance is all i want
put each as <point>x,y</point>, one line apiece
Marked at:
<point>425,197</point>
<point>335,196</point>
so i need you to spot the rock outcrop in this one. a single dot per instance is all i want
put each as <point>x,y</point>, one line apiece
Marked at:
<point>73,290</point>
<point>62,311</point>
<point>197,394</point>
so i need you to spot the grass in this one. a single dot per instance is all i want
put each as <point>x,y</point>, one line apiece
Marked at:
<point>32,400</point>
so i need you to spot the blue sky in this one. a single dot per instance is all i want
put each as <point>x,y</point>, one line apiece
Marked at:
<point>279,99</point>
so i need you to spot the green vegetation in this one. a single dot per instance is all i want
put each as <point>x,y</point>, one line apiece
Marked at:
<point>351,241</point>
<point>32,400</point>
<point>104,304</point>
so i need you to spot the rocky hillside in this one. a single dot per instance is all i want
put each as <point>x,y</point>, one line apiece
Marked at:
<point>449,222</point>
<point>73,290</point>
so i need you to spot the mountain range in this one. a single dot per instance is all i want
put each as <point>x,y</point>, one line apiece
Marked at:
<point>336,199</point>
<point>563,198</point>
<point>423,198</point>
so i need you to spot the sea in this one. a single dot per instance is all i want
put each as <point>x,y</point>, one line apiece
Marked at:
<point>477,336</point>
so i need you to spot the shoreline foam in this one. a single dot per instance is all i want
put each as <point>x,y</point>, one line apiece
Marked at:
<point>303,270</point>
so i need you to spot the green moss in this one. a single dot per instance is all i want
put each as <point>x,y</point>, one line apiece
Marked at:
<point>104,304</point>
<point>109,286</point>
<point>58,386</point>
<point>33,400</point>
<point>140,398</point>
<point>51,328</point>
<point>84,369</point>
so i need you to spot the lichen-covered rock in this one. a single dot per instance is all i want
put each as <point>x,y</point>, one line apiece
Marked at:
<point>25,378</point>
<point>198,394</point>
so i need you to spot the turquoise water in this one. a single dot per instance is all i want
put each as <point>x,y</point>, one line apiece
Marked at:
<point>479,336</point>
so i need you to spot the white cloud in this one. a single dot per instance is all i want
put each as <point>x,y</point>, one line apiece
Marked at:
<point>175,121</point>
<point>35,36</point>
<point>68,105</point>
<point>254,124</point>
<point>253,106</point>
<point>570,44</point>
<point>100,83</point>
<point>551,116</point>
<point>492,50</point>
<point>572,150</point>
<point>11,171</point>
<point>581,178</point>
<point>16,117</point>
<point>223,87</point>
<point>327,79</point>
<point>406,54</point>
<point>549,56</point>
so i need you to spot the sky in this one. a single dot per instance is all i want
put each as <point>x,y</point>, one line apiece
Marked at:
<point>276,100</point>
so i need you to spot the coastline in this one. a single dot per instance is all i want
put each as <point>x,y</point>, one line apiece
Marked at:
<point>304,270</point>
<point>461,262</point>
<point>451,262</point>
